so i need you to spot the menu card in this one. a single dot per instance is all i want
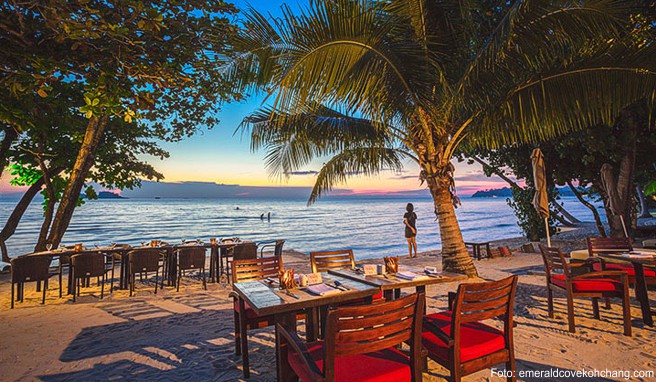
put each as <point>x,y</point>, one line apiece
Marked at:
<point>407,275</point>
<point>322,289</point>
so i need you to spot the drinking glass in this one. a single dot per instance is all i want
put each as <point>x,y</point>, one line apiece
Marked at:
<point>49,246</point>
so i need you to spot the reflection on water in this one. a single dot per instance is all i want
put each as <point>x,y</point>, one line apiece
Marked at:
<point>372,226</point>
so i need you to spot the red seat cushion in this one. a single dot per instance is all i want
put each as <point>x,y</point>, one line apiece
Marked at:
<point>589,285</point>
<point>378,295</point>
<point>384,365</point>
<point>629,269</point>
<point>250,313</point>
<point>476,339</point>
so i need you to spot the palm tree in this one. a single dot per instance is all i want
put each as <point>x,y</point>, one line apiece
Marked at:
<point>369,84</point>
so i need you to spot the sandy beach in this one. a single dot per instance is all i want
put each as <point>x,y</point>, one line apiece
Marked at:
<point>188,335</point>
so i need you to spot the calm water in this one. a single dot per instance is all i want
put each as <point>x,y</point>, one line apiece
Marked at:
<point>372,226</point>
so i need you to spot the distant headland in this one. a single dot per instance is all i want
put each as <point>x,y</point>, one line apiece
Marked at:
<point>506,192</point>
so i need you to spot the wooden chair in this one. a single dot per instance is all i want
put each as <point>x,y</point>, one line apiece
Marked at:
<point>598,245</point>
<point>325,260</point>
<point>595,285</point>
<point>87,265</point>
<point>245,318</point>
<point>191,259</point>
<point>459,341</point>
<point>143,261</point>
<point>360,344</point>
<point>29,269</point>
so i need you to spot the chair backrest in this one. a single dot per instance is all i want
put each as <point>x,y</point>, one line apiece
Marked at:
<point>88,264</point>
<point>244,251</point>
<point>191,257</point>
<point>368,328</point>
<point>144,260</point>
<point>608,244</point>
<point>30,268</point>
<point>277,251</point>
<point>256,269</point>
<point>554,260</point>
<point>325,260</point>
<point>482,301</point>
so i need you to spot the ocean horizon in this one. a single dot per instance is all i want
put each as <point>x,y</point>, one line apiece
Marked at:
<point>371,225</point>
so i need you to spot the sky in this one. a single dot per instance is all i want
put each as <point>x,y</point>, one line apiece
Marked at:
<point>224,157</point>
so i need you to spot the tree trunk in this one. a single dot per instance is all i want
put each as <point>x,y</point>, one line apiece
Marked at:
<point>9,138</point>
<point>50,207</point>
<point>644,209</point>
<point>10,225</point>
<point>455,257</point>
<point>595,213</point>
<point>83,163</point>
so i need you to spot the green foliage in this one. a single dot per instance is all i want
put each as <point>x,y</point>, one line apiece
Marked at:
<point>23,175</point>
<point>650,188</point>
<point>527,218</point>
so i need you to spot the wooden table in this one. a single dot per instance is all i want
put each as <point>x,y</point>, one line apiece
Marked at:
<point>390,283</point>
<point>640,283</point>
<point>476,247</point>
<point>267,300</point>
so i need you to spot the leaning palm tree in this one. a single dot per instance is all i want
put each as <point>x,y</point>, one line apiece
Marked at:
<point>366,85</point>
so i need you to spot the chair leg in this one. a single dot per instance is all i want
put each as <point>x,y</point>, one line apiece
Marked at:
<point>607,302</point>
<point>131,284</point>
<point>237,334</point>
<point>550,308</point>
<point>111,283</point>
<point>12,295</point>
<point>204,280</point>
<point>76,288</point>
<point>626,312</point>
<point>244,340</point>
<point>510,367</point>
<point>595,308</point>
<point>102,287</point>
<point>60,279</point>
<point>177,282</point>
<point>45,287</point>
<point>156,279</point>
<point>570,313</point>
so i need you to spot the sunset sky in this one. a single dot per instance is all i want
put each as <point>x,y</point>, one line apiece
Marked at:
<point>220,156</point>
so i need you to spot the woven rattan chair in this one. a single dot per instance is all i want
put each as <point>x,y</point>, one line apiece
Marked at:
<point>29,269</point>
<point>87,265</point>
<point>325,260</point>
<point>191,259</point>
<point>143,261</point>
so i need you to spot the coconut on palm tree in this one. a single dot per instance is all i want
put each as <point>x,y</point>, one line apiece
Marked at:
<point>369,84</point>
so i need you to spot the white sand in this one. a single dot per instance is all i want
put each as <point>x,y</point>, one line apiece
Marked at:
<point>189,335</point>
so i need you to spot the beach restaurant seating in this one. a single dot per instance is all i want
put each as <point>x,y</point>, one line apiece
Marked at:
<point>29,269</point>
<point>142,261</point>
<point>458,339</point>
<point>596,284</point>
<point>87,265</point>
<point>190,258</point>
<point>598,245</point>
<point>245,317</point>
<point>360,344</point>
<point>241,251</point>
<point>322,261</point>
<point>276,244</point>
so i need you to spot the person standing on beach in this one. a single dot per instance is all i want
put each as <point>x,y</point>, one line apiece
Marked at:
<point>410,221</point>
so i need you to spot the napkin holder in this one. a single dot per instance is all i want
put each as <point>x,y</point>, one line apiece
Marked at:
<point>287,280</point>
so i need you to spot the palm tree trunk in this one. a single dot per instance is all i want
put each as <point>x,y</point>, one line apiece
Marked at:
<point>455,257</point>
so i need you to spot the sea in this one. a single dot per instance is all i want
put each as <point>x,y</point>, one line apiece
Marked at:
<point>372,226</point>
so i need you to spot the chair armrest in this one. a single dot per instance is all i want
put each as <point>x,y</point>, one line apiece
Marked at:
<point>438,332</point>
<point>234,295</point>
<point>298,345</point>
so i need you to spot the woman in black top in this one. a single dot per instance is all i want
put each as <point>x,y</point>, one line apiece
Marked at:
<point>410,220</point>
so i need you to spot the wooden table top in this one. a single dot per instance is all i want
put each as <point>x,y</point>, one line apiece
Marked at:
<point>621,258</point>
<point>266,299</point>
<point>387,282</point>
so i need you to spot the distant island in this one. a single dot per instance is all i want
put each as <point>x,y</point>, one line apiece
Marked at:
<point>109,195</point>
<point>506,192</point>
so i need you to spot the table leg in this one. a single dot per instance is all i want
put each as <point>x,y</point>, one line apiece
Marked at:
<point>173,268</point>
<point>213,259</point>
<point>71,287</point>
<point>487,247</point>
<point>641,294</point>
<point>288,321</point>
<point>388,294</point>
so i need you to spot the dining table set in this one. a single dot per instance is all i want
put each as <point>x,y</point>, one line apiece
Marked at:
<point>220,250</point>
<point>337,286</point>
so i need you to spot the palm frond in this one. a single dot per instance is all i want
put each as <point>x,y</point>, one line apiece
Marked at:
<point>356,161</point>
